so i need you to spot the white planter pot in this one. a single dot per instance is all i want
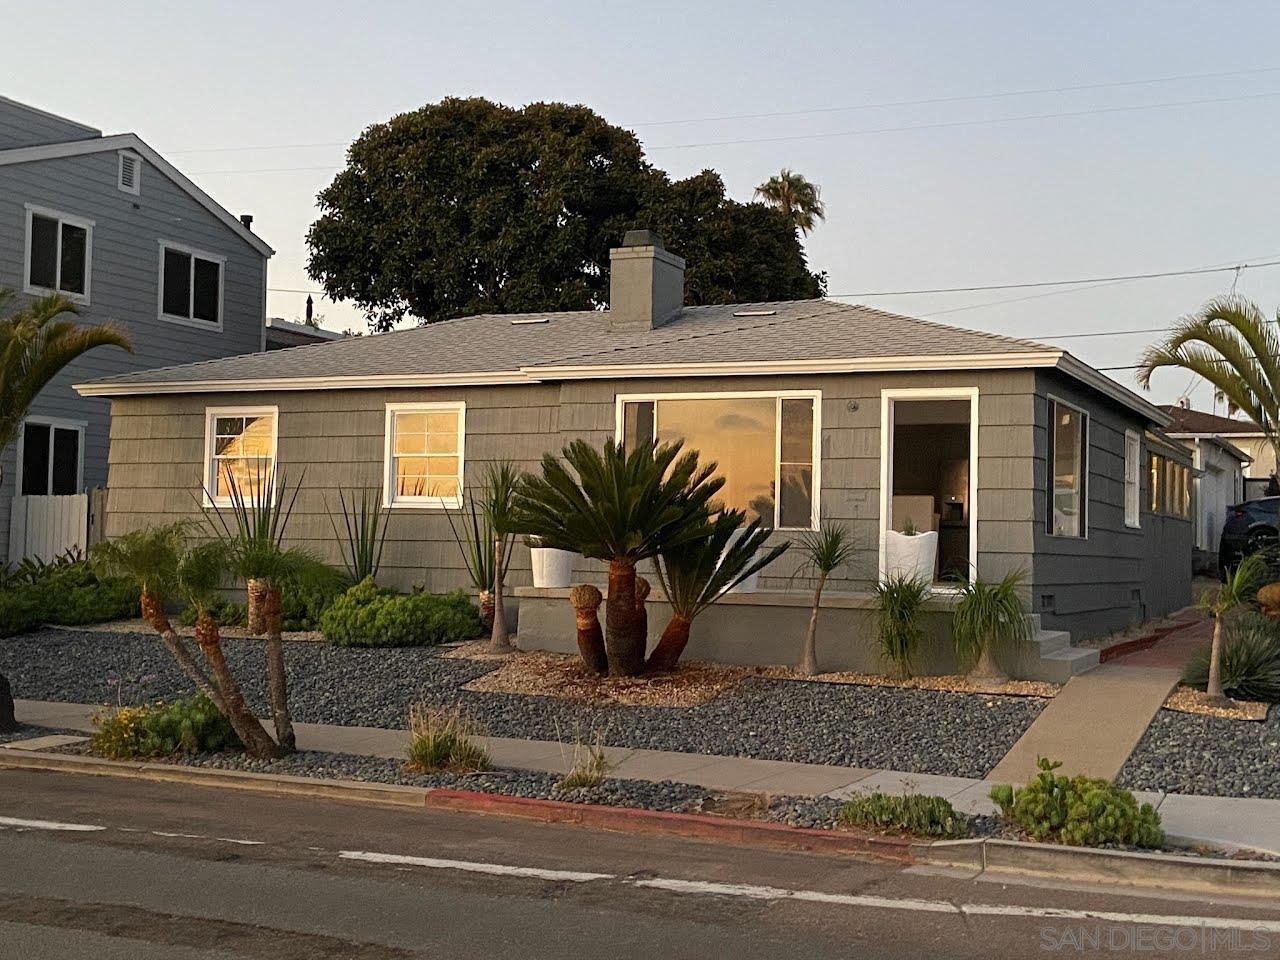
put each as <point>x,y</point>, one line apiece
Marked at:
<point>552,568</point>
<point>913,557</point>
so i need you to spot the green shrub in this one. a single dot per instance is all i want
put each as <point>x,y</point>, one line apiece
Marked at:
<point>20,611</point>
<point>63,591</point>
<point>1079,811</point>
<point>914,813</point>
<point>441,739</point>
<point>370,616</point>
<point>188,726</point>
<point>1250,661</point>
<point>304,602</point>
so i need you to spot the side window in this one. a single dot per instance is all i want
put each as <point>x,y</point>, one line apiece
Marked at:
<point>50,460</point>
<point>240,453</point>
<point>190,286</point>
<point>1132,479</point>
<point>58,252</point>
<point>1068,470</point>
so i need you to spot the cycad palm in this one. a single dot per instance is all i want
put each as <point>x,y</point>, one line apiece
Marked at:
<point>1231,344</point>
<point>795,196</point>
<point>621,508</point>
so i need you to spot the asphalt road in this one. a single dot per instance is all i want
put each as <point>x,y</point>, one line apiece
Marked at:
<point>104,868</point>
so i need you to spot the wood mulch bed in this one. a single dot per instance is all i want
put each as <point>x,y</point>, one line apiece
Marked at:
<point>1190,700</point>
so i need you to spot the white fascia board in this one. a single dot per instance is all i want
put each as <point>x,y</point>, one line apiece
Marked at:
<point>1116,391</point>
<point>97,388</point>
<point>131,141</point>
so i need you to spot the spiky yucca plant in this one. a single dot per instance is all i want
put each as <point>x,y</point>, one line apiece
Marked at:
<point>696,573</point>
<point>622,508</point>
<point>363,534</point>
<point>474,537</point>
<point>498,505</point>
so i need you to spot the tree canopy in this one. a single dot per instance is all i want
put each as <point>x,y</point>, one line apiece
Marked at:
<point>467,206</point>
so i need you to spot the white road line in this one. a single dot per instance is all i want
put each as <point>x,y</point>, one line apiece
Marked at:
<point>179,836</point>
<point>765,893</point>
<point>49,825</point>
<point>243,843</point>
<point>467,866</point>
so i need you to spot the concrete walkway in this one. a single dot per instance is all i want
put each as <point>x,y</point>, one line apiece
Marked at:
<point>1097,719</point>
<point>1224,821</point>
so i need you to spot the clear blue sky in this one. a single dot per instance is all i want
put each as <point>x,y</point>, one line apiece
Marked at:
<point>1119,192</point>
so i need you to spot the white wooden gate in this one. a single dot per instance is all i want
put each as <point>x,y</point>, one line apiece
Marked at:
<point>44,527</point>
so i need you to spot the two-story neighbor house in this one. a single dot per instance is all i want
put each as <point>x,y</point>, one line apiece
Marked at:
<point>115,227</point>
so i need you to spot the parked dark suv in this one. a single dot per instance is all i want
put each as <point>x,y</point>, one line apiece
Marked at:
<point>1251,526</point>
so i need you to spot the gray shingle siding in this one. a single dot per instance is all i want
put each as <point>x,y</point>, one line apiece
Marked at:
<point>124,283</point>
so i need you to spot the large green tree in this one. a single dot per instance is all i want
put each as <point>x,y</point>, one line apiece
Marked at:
<point>467,206</point>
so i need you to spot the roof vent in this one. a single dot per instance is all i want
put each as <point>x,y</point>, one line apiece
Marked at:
<point>130,173</point>
<point>755,313</point>
<point>522,321</point>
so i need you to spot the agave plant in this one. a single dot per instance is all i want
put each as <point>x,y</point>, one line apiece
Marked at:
<point>363,534</point>
<point>824,550</point>
<point>621,508</point>
<point>989,618</point>
<point>696,573</point>
<point>474,537</point>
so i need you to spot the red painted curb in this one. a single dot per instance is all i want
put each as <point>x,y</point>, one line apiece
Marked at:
<point>694,825</point>
<point>1126,647</point>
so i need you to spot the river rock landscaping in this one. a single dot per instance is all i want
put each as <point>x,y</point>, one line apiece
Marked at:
<point>917,731</point>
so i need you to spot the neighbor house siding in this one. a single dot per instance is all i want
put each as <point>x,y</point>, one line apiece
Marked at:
<point>337,438</point>
<point>21,126</point>
<point>1115,576</point>
<point>124,284</point>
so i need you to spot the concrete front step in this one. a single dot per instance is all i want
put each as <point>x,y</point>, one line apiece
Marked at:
<point>1051,657</point>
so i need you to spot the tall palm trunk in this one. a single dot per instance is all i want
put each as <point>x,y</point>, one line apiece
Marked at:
<point>158,620</point>
<point>255,602</point>
<point>808,664</point>
<point>622,639</point>
<point>586,600</point>
<point>257,743</point>
<point>277,680</point>
<point>671,644</point>
<point>500,639</point>
<point>485,603</point>
<point>1214,687</point>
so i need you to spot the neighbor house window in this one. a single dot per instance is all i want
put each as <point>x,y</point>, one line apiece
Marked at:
<point>50,458</point>
<point>1170,487</point>
<point>190,286</point>
<point>1132,478</point>
<point>764,445</point>
<point>424,454</point>
<point>58,253</point>
<point>240,445</point>
<point>1068,469</point>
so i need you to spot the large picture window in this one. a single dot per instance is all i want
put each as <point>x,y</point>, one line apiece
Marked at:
<point>1068,470</point>
<point>240,452</point>
<point>424,455</point>
<point>58,254</point>
<point>190,286</point>
<point>765,446</point>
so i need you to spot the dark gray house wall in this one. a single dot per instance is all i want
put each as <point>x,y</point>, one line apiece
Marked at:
<point>124,279</point>
<point>25,126</point>
<point>1116,575</point>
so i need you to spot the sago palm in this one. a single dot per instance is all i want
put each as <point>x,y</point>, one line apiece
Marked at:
<point>824,550</point>
<point>621,508</point>
<point>795,196</point>
<point>1232,344</point>
<point>696,573</point>
<point>1239,587</point>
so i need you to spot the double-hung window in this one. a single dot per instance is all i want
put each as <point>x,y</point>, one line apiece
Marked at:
<point>240,453</point>
<point>1068,470</point>
<point>1132,478</point>
<point>765,445</point>
<point>1170,487</point>
<point>59,252</point>
<point>51,458</point>
<point>424,454</point>
<point>190,286</point>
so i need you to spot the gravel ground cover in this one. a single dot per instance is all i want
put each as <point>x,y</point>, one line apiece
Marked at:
<point>1192,753</point>
<point>918,731</point>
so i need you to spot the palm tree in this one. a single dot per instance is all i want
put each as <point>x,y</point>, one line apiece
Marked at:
<point>621,508</point>
<point>824,550</point>
<point>795,196</point>
<point>696,573</point>
<point>989,617</point>
<point>36,343</point>
<point>1241,586</point>
<point>1231,344</point>
<point>498,504</point>
<point>155,558</point>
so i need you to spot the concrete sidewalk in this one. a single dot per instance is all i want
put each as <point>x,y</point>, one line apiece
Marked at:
<point>1218,820</point>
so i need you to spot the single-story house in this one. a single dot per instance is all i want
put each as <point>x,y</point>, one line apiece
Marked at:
<point>1023,457</point>
<point>1220,467</point>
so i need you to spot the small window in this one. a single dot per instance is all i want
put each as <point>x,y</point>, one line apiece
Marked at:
<point>240,445</point>
<point>1068,470</point>
<point>424,456</point>
<point>59,248</point>
<point>1132,479</point>
<point>1170,487</point>
<point>130,174</point>
<point>50,460</point>
<point>190,287</point>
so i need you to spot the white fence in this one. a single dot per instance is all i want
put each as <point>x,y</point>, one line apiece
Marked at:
<point>44,527</point>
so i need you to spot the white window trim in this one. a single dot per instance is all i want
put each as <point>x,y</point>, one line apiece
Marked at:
<point>815,511</point>
<point>80,426</point>
<point>208,482</point>
<point>136,189</point>
<point>888,397</point>
<point>390,499</point>
<point>1085,474</point>
<point>191,291</point>
<point>87,226</point>
<point>1132,520</point>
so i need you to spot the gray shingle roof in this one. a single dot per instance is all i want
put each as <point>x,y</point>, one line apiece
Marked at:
<point>508,343</point>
